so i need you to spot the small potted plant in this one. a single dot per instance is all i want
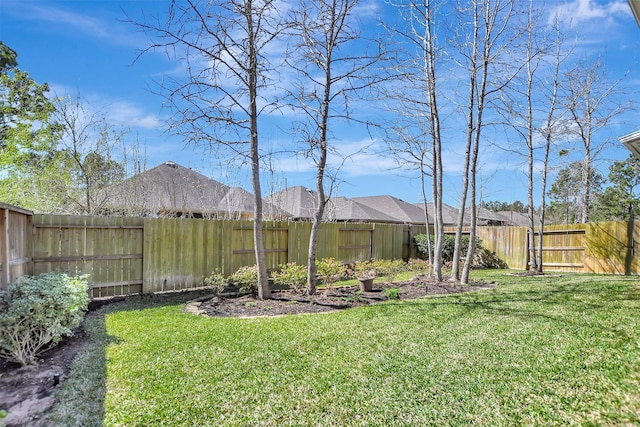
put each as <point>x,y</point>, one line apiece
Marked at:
<point>365,273</point>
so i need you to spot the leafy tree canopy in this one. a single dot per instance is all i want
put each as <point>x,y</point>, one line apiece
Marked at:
<point>622,196</point>
<point>27,133</point>
<point>567,190</point>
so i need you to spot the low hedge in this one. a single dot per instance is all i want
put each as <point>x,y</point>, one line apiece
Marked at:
<point>37,311</point>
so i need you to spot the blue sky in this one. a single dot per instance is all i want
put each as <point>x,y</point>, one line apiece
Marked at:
<point>85,47</point>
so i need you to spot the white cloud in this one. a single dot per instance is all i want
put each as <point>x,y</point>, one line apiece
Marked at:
<point>128,114</point>
<point>580,12</point>
<point>107,27</point>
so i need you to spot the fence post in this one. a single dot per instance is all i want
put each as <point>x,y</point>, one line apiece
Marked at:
<point>628,260</point>
<point>4,256</point>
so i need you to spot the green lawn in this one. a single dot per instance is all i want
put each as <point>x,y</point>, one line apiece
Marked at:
<point>561,350</point>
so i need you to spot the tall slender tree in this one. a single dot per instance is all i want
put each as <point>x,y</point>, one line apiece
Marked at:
<point>483,50</point>
<point>224,48</point>
<point>333,62</point>
<point>592,102</point>
<point>418,143</point>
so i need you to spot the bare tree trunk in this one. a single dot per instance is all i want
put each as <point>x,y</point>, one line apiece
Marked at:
<point>330,76</point>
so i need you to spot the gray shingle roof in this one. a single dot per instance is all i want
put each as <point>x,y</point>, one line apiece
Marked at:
<point>343,209</point>
<point>298,202</point>
<point>394,207</point>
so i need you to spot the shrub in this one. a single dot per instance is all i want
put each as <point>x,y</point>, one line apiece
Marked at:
<point>246,277</point>
<point>364,269</point>
<point>485,258</point>
<point>330,270</point>
<point>216,281</point>
<point>393,293</point>
<point>418,266</point>
<point>388,268</point>
<point>37,311</point>
<point>292,275</point>
<point>448,245</point>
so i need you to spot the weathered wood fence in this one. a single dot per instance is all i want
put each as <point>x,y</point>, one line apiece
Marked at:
<point>16,244</point>
<point>607,247</point>
<point>135,255</point>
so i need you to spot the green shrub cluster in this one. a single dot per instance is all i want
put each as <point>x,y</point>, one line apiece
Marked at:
<point>292,275</point>
<point>418,266</point>
<point>330,270</point>
<point>483,257</point>
<point>216,281</point>
<point>379,268</point>
<point>246,277</point>
<point>37,311</point>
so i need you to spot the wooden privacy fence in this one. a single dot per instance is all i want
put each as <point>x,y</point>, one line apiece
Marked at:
<point>135,255</point>
<point>607,248</point>
<point>16,244</point>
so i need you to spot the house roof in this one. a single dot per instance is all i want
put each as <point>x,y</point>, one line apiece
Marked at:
<point>299,202</point>
<point>449,213</point>
<point>517,219</point>
<point>343,209</point>
<point>635,8</point>
<point>484,215</point>
<point>168,188</point>
<point>396,208</point>
<point>632,140</point>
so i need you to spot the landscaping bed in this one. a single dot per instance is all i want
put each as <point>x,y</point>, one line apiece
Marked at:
<point>285,302</point>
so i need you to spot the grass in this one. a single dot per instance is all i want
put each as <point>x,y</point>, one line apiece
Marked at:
<point>561,350</point>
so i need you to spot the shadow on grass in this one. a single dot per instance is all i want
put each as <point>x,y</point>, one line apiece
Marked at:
<point>81,401</point>
<point>557,302</point>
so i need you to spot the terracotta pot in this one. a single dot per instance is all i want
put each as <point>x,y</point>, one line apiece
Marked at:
<point>366,284</point>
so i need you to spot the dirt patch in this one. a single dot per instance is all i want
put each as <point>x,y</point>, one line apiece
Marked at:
<point>28,393</point>
<point>326,300</point>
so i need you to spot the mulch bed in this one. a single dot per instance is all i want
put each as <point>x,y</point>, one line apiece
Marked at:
<point>285,302</point>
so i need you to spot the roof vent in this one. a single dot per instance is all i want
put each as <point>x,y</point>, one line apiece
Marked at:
<point>171,164</point>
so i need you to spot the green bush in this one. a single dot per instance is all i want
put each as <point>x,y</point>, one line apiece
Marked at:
<point>330,270</point>
<point>216,281</point>
<point>292,275</point>
<point>448,245</point>
<point>36,312</point>
<point>482,258</point>
<point>379,268</point>
<point>246,278</point>
<point>485,258</point>
<point>392,293</point>
<point>364,269</point>
<point>388,268</point>
<point>418,266</point>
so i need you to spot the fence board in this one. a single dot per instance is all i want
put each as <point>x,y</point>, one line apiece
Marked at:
<point>109,249</point>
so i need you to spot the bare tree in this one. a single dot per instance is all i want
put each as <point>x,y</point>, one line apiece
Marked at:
<point>418,143</point>
<point>333,63</point>
<point>551,129</point>
<point>592,101</point>
<point>530,109</point>
<point>483,48</point>
<point>88,149</point>
<point>224,47</point>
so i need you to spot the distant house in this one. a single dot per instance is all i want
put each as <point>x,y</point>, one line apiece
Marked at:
<point>518,219</point>
<point>449,214</point>
<point>172,190</point>
<point>403,212</point>
<point>297,203</point>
